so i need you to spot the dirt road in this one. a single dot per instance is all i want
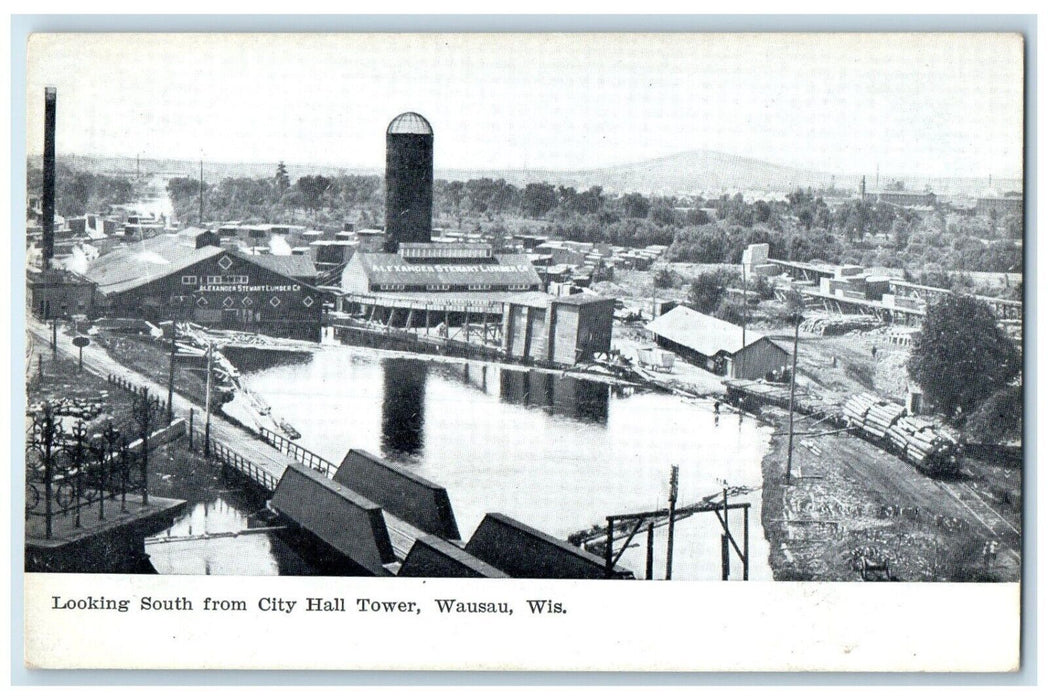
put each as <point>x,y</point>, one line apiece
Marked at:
<point>848,497</point>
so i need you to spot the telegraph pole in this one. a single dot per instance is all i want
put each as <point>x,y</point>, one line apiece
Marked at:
<point>201,193</point>
<point>171,376</point>
<point>674,471</point>
<point>793,387</point>
<point>745,310</point>
<point>207,405</point>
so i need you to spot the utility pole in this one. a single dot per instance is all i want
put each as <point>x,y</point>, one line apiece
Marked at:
<point>745,309</point>
<point>207,405</point>
<point>171,376</point>
<point>674,471</point>
<point>793,387</point>
<point>201,193</point>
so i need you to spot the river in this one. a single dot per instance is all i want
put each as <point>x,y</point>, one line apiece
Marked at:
<point>555,452</point>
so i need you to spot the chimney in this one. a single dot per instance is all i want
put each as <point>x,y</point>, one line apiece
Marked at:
<point>48,206</point>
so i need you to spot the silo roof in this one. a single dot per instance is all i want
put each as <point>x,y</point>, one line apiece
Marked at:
<point>410,123</point>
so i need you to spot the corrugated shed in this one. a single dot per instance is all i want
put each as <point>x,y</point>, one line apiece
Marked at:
<point>702,333</point>
<point>140,263</point>
<point>297,266</point>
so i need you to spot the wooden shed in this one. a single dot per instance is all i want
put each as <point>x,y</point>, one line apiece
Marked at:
<point>557,330</point>
<point>716,345</point>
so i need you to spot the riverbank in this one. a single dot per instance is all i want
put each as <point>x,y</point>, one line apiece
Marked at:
<point>847,500</point>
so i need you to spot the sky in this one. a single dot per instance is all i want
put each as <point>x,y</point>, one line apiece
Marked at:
<point>919,104</point>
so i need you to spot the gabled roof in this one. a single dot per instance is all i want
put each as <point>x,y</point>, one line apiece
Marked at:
<point>297,266</point>
<point>705,334</point>
<point>140,263</point>
<point>390,268</point>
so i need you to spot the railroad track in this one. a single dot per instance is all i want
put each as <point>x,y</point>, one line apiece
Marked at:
<point>992,521</point>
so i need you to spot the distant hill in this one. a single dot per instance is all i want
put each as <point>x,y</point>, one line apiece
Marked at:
<point>692,172</point>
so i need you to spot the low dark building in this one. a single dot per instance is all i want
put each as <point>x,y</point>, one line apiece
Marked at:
<point>60,294</point>
<point>999,206</point>
<point>168,277</point>
<point>399,491</point>
<point>524,552</point>
<point>343,520</point>
<point>432,557</point>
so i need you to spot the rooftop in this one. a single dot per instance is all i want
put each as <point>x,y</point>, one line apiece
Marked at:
<point>390,268</point>
<point>288,265</point>
<point>706,334</point>
<point>409,123</point>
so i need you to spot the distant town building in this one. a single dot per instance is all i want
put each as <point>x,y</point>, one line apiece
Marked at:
<point>901,198</point>
<point>993,205</point>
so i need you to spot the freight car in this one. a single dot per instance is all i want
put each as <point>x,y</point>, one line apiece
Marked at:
<point>919,441</point>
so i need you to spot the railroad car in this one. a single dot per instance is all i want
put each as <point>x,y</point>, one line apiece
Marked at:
<point>919,441</point>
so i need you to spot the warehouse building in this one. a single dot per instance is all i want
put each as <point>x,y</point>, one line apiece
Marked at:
<point>169,277</point>
<point>426,284</point>
<point>716,345</point>
<point>557,330</point>
<point>992,204</point>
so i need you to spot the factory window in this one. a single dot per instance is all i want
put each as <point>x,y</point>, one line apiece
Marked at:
<point>391,287</point>
<point>519,287</point>
<point>234,279</point>
<point>437,287</point>
<point>189,279</point>
<point>479,287</point>
<point>214,279</point>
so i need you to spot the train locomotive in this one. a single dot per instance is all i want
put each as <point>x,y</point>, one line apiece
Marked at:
<point>919,441</point>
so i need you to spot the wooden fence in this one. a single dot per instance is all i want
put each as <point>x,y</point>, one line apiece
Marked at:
<point>299,453</point>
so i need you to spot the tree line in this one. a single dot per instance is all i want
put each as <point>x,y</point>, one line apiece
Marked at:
<point>805,227</point>
<point>78,192</point>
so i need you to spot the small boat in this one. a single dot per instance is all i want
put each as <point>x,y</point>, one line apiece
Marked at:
<point>289,429</point>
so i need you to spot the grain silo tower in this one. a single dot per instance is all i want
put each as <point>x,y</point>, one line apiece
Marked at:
<point>409,180</point>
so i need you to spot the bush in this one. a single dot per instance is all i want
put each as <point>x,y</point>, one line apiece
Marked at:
<point>707,290</point>
<point>667,279</point>
<point>962,355</point>
<point>731,312</point>
<point>999,418</point>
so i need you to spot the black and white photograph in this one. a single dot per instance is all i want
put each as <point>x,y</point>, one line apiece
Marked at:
<point>741,308</point>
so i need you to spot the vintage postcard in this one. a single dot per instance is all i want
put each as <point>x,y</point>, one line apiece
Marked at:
<point>677,337</point>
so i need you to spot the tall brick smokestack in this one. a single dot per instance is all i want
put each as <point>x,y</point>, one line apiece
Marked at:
<point>409,181</point>
<point>50,100</point>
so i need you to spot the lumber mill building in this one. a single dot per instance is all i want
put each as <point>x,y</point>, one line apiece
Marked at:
<point>464,289</point>
<point>717,346</point>
<point>184,278</point>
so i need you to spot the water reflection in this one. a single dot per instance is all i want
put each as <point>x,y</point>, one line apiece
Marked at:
<point>403,405</point>
<point>555,452</point>
<point>565,396</point>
